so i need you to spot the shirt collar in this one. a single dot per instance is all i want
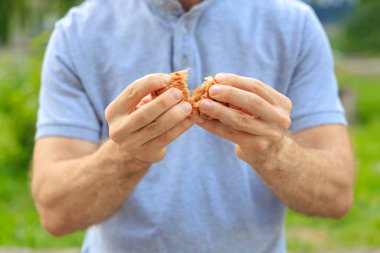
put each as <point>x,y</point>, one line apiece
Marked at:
<point>173,7</point>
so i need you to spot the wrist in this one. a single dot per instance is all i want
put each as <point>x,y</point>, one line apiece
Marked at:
<point>120,160</point>
<point>122,168</point>
<point>270,159</point>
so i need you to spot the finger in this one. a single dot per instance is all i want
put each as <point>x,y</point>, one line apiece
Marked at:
<point>252,103</point>
<point>145,100</point>
<point>140,88</point>
<point>251,85</point>
<point>235,119</point>
<point>169,119</point>
<point>164,139</point>
<point>150,112</point>
<point>220,129</point>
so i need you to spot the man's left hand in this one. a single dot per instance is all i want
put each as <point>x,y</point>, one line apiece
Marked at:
<point>256,119</point>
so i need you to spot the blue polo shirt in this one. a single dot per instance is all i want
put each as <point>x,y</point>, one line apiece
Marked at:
<point>201,197</point>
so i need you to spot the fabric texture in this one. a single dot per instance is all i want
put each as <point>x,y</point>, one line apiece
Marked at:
<point>201,197</point>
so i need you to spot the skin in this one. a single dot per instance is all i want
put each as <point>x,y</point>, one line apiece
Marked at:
<point>311,171</point>
<point>77,183</point>
<point>188,4</point>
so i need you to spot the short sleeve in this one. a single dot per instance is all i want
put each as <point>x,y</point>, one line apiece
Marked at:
<point>64,107</point>
<point>313,88</point>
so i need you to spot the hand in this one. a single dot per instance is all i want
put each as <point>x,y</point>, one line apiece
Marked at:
<point>144,127</point>
<point>256,120</point>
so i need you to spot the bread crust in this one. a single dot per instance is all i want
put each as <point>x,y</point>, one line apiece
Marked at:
<point>200,93</point>
<point>178,80</point>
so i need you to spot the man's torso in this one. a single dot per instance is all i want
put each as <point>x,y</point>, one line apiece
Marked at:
<point>200,198</point>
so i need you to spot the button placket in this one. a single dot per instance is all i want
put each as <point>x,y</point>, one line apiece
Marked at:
<point>184,29</point>
<point>172,8</point>
<point>185,60</point>
<point>182,46</point>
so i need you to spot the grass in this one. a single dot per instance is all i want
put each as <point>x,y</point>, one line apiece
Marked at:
<point>19,224</point>
<point>361,227</point>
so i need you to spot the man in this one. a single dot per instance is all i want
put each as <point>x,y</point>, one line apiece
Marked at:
<point>152,179</point>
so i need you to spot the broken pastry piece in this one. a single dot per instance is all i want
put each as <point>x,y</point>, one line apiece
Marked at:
<point>178,80</point>
<point>200,93</point>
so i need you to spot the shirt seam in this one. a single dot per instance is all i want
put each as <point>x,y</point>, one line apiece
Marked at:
<point>317,113</point>
<point>67,125</point>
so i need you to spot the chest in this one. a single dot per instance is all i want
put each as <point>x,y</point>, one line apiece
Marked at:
<point>207,44</point>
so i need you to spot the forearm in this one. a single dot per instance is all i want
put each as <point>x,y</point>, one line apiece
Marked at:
<point>74,194</point>
<point>310,181</point>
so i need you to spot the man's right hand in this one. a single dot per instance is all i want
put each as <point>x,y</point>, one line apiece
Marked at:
<point>145,133</point>
<point>77,183</point>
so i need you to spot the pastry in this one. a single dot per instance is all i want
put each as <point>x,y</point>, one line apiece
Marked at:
<point>178,80</point>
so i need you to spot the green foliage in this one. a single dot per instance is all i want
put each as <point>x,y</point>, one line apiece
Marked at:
<point>361,31</point>
<point>361,227</point>
<point>19,221</point>
<point>19,85</point>
<point>27,14</point>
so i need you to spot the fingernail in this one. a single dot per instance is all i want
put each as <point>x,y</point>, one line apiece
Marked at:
<point>176,94</point>
<point>205,105</point>
<point>221,77</point>
<point>165,78</point>
<point>186,107</point>
<point>214,90</point>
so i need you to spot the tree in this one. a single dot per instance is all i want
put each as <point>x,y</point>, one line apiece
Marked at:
<point>362,33</point>
<point>27,14</point>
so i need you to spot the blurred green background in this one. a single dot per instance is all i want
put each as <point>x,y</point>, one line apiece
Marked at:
<point>24,30</point>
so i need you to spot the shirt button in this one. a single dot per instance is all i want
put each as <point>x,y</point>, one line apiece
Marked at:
<point>184,29</point>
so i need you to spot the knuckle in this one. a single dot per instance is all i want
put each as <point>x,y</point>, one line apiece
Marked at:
<point>253,99</point>
<point>228,132</point>
<point>234,79</point>
<point>163,103</point>
<point>240,153</point>
<point>153,127</point>
<point>166,137</point>
<point>256,85</point>
<point>227,92</point>
<point>109,113</point>
<point>132,90</point>
<point>241,122</point>
<point>159,156</point>
<point>217,113</point>
<point>289,104</point>
<point>115,134</point>
<point>140,119</point>
<point>284,121</point>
